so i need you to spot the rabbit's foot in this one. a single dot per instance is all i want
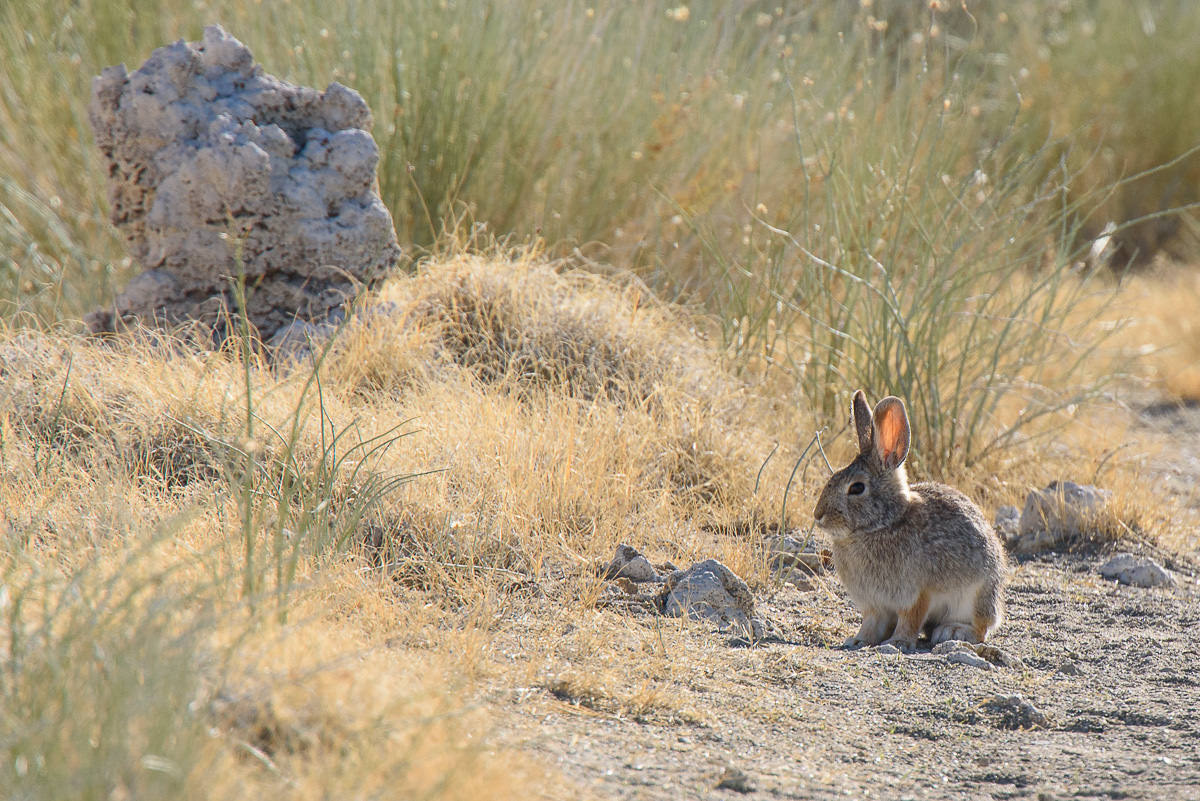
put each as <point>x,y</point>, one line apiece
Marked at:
<point>905,644</point>
<point>953,631</point>
<point>855,642</point>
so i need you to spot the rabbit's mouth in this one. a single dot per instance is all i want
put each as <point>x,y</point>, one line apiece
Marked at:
<point>831,524</point>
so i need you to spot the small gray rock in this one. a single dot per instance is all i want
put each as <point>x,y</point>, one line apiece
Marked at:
<point>735,779</point>
<point>1061,511</point>
<point>968,657</point>
<point>1013,712</point>
<point>1008,522</point>
<point>1035,541</point>
<point>888,649</point>
<point>966,653</point>
<point>1137,571</point>
<point>788,552</point>
<point>998,656</point>
<point>709,590</point>
<point>629,563</point>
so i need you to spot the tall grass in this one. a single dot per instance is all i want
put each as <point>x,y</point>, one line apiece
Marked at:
<point>927,251</point>
<point>311,502</point>
<point>582,124</point>
<point>100,671</point>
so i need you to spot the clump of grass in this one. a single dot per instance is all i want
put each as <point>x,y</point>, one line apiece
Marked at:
<point>77,403</point>
<point>516,320</point>
<point>632,423</point>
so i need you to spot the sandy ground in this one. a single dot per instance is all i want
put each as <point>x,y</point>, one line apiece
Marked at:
<point>1111,667</point>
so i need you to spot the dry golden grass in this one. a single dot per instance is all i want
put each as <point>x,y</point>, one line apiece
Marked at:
<point>563,414</point>
<point>1164,315</point>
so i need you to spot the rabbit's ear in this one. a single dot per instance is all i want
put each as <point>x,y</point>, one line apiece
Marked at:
<point>891,432</point>
<point>862,421</point>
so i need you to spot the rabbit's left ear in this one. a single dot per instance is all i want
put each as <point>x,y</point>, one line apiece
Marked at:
<point>862,421</point>
<point>891,432</point>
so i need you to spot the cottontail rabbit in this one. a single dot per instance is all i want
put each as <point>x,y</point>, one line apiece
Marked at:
<point>914,559</point>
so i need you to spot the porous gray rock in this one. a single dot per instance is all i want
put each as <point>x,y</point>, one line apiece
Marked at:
<point>950,646</point>
<point>709,590</point>
<point>218,169</point>
<point>969,658</point>
<point>1062,511</point>
<point>1137,571</point>
<point>628,563</point>
<point>960,652</point>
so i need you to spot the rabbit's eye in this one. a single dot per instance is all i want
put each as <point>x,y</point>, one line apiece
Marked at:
<point>857,488</point>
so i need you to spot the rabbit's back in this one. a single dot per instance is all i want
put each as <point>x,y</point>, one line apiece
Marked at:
<point>942,543</point>
<point>954,543</point>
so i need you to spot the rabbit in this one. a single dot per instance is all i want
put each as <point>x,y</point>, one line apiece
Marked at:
<point>915,560</point>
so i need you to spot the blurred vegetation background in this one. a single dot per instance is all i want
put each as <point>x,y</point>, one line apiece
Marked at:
<point>634,126</point>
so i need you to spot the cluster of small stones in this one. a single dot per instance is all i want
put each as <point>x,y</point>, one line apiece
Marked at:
<point>221,174</point>
<point>706,591</point>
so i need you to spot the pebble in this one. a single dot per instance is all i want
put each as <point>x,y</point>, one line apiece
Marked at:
<point>1014,712</point>
<point>628,563</point>
<point>1137,571</point>
<point>735,779</point>
<point>968,658</point>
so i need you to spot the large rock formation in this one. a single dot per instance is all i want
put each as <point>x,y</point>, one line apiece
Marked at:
<point>212,163</point>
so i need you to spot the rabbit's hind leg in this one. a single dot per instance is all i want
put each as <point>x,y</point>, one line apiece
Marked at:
<point>956,617</point>
<point>909,623</point>
<point>989,609</point>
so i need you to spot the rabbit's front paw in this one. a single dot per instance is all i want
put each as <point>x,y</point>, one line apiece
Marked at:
<point>854,643</point>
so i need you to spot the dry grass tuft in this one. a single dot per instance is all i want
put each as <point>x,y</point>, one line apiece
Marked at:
<point>525,324</point>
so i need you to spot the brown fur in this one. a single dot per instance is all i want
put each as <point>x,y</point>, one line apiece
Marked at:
<point>906,552</point>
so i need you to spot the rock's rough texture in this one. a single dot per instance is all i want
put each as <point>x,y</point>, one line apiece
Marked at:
<point>1062,511</point>
<point>1137,571</point>
<point>628,563</point>
<point>709,590</point>
<point>979,655</point>
<point>209,156</point>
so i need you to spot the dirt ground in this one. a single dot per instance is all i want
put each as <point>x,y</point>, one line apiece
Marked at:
<point>1111,667</point>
